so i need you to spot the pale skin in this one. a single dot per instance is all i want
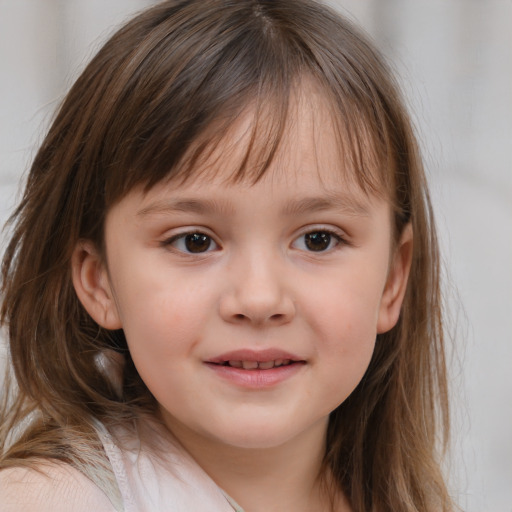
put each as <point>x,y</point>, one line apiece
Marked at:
<point>301,262</point>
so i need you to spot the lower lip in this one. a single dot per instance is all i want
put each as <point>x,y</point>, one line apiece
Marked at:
<point>256,379</point>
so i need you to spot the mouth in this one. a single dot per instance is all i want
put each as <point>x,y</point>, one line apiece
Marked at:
<point>258,365</point>
<point>256,369</point>
<point>248,359</point>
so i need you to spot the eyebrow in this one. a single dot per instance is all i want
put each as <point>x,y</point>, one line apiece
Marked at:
<point>338,202</point>
<point>202,206</point>
<point>342,203</point>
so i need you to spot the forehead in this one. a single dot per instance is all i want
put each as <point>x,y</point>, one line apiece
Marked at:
<point>309,171</point>
<point>307,144</point>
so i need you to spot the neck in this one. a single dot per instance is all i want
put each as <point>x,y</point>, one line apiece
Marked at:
<point>286,477</point>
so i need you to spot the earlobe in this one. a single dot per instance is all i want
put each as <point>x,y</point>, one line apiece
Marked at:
<point>92,285</point>
<point>396,283</point>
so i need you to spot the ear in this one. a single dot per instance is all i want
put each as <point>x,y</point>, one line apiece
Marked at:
<point>396,283</point>
<point>92,285</point>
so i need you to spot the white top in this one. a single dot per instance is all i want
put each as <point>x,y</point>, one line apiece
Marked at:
<point>169,480</point>
<point>149,481</point>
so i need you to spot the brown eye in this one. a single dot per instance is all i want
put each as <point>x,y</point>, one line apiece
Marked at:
<point>197,242</point>
<point>317,241</point>
<point>192,243</point>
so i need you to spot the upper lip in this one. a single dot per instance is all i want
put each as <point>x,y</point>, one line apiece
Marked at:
<point>260,356</point>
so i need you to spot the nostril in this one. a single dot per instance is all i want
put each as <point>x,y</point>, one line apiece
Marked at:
<point>275,318</point>
<point>256,309</point>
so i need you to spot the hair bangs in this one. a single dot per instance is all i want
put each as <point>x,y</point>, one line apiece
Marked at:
<point>248,156</point>
<point>363,151</point>
<point>180,97</point>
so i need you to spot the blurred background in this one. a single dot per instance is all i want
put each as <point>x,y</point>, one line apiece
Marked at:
<point>454,60</point>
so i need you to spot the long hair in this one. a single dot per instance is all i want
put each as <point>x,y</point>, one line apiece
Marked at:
<point>156,98</point>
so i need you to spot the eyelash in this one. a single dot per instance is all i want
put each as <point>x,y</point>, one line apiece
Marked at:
<point>333,236</point>
<point>182,237</point>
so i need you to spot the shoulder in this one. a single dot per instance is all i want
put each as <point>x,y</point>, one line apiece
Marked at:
<point>51,487</point>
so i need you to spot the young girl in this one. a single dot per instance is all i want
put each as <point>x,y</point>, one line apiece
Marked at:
<point>222,287</point>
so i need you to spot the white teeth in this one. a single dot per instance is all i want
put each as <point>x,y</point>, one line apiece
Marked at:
<point>250,365</point>
<point>254,365</point>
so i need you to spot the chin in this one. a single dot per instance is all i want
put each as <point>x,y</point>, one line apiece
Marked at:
<point>258,435</point>
<point>256,442</point>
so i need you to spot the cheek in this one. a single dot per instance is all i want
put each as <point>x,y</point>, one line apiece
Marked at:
<point>349,339</point>
<point>162,333</point>
<point>348,357</point>
<point>345,319</point>
<point>162,314</point>
<point>349,309</point>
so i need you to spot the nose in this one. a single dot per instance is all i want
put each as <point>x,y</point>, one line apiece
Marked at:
<point>257,293</point>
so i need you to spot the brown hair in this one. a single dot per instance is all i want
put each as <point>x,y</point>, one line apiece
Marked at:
<point>141,112</point>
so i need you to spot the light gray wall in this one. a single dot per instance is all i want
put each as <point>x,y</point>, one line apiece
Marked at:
<point>455,60</point>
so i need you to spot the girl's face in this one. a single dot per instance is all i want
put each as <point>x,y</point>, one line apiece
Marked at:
<point>251,310</point>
